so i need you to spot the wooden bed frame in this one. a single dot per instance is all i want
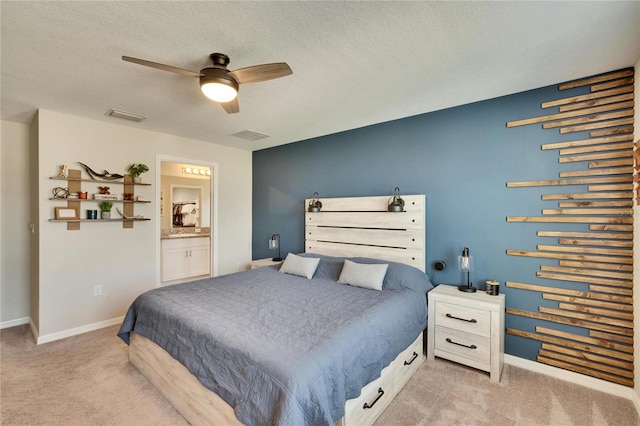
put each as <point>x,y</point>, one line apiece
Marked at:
<point>355,226</point>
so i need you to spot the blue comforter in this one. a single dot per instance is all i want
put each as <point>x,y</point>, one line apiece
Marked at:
<point>281,349</point>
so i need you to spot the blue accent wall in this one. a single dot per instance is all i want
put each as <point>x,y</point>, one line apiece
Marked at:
<point>461,158</point>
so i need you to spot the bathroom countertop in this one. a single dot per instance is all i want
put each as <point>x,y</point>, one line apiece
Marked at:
<point>181,236</point>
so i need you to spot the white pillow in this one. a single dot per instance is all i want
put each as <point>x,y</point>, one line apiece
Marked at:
<point>301,266</point>
<point>363,275</point>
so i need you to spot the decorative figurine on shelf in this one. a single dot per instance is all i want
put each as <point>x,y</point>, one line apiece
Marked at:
<point>63,171</point>
<point>105,175</point>
<point>128,196</point>
<point>60,192</point>
<point>104,190</point>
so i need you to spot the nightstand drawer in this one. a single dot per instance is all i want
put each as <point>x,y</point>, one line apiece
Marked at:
<point>463,318</point>
<point>463,344</point>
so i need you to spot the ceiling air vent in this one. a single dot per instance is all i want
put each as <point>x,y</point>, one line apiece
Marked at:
<point>126,115</point>
<point>250,135</point>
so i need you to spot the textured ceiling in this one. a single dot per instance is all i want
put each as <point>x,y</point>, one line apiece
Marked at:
<point>354,63</point>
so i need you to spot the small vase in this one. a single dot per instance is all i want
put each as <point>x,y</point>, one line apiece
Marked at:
<point>137,179</point>
<point>105,215</point>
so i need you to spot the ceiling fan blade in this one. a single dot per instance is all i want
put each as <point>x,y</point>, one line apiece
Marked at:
<point>232,106</point>
<point>262,72</point>
<point>161,66</point>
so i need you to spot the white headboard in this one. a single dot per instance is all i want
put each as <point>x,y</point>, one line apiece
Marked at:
<point>362,226</point>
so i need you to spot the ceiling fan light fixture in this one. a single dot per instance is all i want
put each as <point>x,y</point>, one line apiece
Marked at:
<point>216,86</point>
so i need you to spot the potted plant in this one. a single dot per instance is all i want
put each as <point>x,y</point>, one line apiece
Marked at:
<point>105,209</point>
<point>136,170</point>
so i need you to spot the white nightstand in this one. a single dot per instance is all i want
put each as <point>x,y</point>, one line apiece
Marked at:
<point>467,328</point>
<point>259,263</point>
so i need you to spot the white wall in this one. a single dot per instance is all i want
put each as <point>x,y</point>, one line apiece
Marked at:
<point>123,261</point>
<point>14,224</point>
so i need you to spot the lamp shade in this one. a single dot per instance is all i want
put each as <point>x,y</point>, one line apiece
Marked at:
<point>274,243</point>
<point>396,204</point>
<point>217,85</point>
<point>315,204</point>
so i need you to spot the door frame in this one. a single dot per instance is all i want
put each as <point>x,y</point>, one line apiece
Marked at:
<point>213,211</point>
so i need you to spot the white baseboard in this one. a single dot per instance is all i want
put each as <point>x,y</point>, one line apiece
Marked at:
<point>14,323</point>
<point>75,331</point>
<point>579,379</point>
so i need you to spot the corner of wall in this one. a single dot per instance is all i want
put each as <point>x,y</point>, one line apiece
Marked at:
<point>34,206</point>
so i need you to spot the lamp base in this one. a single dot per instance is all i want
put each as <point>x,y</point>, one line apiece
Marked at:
<point>279,259</point>
<point>467,289</point>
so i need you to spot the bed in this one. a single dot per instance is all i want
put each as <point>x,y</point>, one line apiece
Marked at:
<point>265,347</point>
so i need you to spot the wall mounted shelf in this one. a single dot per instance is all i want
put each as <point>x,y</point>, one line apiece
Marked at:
<point>75,179</point>
<point>98,201</point>
<point>100,220</point>
<point>116,182</point>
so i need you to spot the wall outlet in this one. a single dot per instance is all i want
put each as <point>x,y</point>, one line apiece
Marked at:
<point>97,290</point>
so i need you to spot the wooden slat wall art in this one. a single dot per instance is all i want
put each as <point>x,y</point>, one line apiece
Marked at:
<point>599,258</point>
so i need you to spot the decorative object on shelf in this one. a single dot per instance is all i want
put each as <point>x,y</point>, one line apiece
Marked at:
<point>107,197</point>
<point>104,190</point>
<point>465,264</point>
<point>63,171</point>
<point>493,287</point>
<point>396,204</point>
<point>82,195</point>
<point>67,213</point>
<point>92,214</point>
<point>315,204</point>
<point>136,170</point>
<point>138,217</point>
<point>128,196</point>
<point>105,175</point>
<point>274,243</point>
<point>60,192</point>
<point>105,209</point>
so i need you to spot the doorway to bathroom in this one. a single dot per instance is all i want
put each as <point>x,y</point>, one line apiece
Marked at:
<point>186,232</point>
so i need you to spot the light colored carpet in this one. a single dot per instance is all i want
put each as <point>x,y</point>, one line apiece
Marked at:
<point>87,380</point>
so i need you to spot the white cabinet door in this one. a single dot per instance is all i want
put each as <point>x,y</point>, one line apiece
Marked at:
<point>185,257</point>
<point>174,264</point>
<point>198,261</point>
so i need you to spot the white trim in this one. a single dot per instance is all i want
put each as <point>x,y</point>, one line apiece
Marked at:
<point>636,401</point>
<point>213,196</point>
<point>75,331</point>
<point>34,329</point>
<point>14,322</point>
<point>576,378</point>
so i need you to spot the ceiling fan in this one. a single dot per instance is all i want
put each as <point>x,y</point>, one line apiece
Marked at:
<point>218,83</point>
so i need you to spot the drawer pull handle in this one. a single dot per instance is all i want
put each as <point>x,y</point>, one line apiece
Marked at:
<point>413,358</point>
<point>461,344</point>
<point>472,320</point>
<point>380,393</point>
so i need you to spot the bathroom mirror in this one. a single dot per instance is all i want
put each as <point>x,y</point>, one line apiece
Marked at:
<point>178,186</point>
<point>186,206</point>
